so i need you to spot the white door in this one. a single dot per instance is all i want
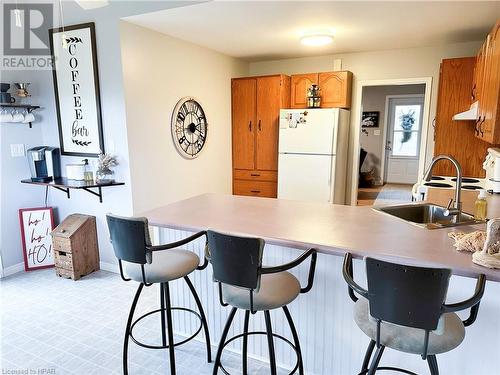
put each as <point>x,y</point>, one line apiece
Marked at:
<point>404,129</point>
<point>305,177</point>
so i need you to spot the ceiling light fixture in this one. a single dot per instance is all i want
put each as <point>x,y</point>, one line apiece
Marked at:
<point>316,40</point>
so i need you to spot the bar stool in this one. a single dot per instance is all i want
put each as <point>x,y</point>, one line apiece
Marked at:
<point>244,284</point>
<point>148,265</point>
<point>404,309</point>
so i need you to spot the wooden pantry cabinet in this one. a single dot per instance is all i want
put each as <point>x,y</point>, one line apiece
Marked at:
<point>486,88</point>
<point>335,89</point>
<point>255,107</point>
<point>456,138</point>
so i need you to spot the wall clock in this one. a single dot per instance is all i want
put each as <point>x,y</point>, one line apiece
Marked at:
<point>189,127</point>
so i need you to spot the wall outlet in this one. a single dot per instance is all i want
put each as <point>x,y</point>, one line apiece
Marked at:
<point>17,150</point>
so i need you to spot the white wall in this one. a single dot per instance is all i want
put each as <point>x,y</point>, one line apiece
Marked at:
<point>377,65</point>
<point>15,195</point>
<point>374,99</point>
<point>158,70</point>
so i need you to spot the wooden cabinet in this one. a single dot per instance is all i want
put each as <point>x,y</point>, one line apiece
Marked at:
<point>256,103</point>
<point>336,89</point>
<point>487,88</point>
<point>299,85</point>
<point>74,241</point>
<point>456,138</point>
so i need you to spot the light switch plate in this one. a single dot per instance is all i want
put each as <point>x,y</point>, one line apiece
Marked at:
<point>17,150</point>
<point>376,132</point>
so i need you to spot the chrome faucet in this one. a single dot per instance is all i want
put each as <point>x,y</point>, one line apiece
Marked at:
<point>456,210</point>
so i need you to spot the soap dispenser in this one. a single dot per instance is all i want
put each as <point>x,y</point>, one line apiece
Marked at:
<point>481,206</point>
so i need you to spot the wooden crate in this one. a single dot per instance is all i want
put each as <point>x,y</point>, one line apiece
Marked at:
<point>76,251</point>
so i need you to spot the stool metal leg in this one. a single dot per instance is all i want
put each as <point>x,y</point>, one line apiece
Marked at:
<point>376,360</point>
<point>270,341</point>
<point>170,329</point>
<point>162,316</point>
<point>368,355</point>
<point>433,365</point>
<point>295,339</point>
<point>203,318</point>
<point>223,340</point>
<point>127,329</point>
<point>245,342</point>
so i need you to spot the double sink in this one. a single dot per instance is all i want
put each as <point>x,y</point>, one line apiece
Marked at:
<point>429,216</point>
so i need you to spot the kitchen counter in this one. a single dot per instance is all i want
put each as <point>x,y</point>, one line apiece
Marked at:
<point>332,229</point>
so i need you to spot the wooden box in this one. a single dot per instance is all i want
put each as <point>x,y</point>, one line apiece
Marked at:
<point>74,241</point>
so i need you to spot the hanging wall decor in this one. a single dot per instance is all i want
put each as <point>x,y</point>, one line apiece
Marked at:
<point>76,87</point>
<point>370,119</point>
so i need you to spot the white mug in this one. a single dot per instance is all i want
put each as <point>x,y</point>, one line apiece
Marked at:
<point>17,117</point>
<point>29,117</point>
<point>5,116</point>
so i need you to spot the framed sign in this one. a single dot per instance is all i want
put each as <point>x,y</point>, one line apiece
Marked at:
<point>76,87</point>
<point>36,225</point>
<point>370,119</point>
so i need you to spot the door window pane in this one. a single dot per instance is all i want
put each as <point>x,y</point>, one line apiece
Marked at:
<point>407,117</point>
<point>405,143</point>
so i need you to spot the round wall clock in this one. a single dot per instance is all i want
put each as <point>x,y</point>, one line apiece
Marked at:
<point>189,127</point>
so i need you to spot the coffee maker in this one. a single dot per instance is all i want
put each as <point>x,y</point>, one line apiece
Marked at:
<point>45,163</point>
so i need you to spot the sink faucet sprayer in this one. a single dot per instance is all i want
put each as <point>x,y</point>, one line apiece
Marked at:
<point>457,203</point>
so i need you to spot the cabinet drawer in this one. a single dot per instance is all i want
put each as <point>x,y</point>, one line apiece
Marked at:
<point>63,260</point>
<point>62,244</point>
<point>255,188</point>
<point>242,174</point>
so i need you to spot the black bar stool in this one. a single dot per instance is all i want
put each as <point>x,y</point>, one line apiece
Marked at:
<point>150,265</point>
<point>245,284</point>
<point>404,309</point>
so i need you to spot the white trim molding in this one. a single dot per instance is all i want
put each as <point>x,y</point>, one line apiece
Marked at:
<point>11,270</point>
<point>427,81</point>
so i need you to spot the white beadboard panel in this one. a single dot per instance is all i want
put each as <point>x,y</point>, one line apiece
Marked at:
<point>331,343</point>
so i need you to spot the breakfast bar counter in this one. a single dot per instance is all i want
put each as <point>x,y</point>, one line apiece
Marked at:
<point>331,229</point>
<point>331,342</point>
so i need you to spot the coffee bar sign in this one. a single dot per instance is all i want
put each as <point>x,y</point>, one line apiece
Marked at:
<point>76,86</point>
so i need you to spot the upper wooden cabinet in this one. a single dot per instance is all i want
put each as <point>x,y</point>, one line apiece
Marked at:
<point>335,89</point>
<point>299,85</point>
<point>456,138</point>
<point>487,88</point>
<point>256,104</point>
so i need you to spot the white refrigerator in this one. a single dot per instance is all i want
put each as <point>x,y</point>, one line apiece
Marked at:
<point>313,154</point>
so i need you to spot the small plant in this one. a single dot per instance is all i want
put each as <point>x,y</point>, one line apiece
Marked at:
<point>105,162</point>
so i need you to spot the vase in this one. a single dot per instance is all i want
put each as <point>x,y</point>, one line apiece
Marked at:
<point>104,176</point>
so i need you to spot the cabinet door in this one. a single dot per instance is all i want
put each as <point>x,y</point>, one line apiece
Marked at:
<point>335,89</point>
<point>299,85</point>
<point>489,126</point>
<point>268,111</point>
<point>243,106</point>
<point>456,138</point>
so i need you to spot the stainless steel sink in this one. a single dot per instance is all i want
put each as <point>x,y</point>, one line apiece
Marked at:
<point>428,216</point>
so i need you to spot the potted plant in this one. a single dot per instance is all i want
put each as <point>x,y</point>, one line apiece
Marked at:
<point>104,173</point>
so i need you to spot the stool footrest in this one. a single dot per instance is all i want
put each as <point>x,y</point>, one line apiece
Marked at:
<point>385,368</point>
<point>262,333</point>
<point>165,346</point>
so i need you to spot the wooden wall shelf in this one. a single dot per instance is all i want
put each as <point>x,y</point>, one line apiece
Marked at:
<point>65,185</point>
<point>28,107</point>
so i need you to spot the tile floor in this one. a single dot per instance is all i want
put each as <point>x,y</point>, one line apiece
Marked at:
<point>57,326</point>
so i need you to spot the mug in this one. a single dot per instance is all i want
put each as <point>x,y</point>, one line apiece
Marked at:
<point>29,117</point>
<point>5,116</point>
<point>5,97</point>
<point>17,117</point>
